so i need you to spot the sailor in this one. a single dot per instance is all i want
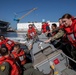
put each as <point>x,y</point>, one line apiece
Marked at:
<point>53,27</point>
<point>7,64</point>
<point>32,36</point>
<point>70,29</point>
<point>9,43</point>
<point>31,33</point>
<point>53,32</point>
<point>20,56</point>
<point>45,28</point>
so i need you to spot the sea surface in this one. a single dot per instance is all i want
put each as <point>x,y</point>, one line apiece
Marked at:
<point>12,34</point>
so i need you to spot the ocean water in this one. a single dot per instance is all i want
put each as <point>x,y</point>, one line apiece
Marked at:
<point>13,34</point>
<point>9,34</point>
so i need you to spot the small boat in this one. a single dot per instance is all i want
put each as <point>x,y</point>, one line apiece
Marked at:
<point>47,58</point>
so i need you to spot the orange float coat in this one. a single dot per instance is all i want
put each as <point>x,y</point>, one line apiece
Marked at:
<point>31,33</point>
<point>71,33</point>
<point>44,27</point>
<point>20,56</point>
<point>9,43</point>
<point>14,68</point>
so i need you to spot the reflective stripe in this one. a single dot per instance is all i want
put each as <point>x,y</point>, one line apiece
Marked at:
<point>21,58</point>
<point>9,42</point>
<point>71,37</point>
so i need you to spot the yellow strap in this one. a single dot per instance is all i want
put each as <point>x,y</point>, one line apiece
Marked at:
<point>2,67</point>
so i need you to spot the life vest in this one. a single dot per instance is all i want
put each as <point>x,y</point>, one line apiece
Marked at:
<point>20,56</point>
<point>0,43</point>
<point>44,27</point>
<point>61,26</point>
<point>71,33</point>
<point>9,44</point>
<point>14,69</point>
<point>32,33</point>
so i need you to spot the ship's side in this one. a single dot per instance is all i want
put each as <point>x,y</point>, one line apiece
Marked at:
<point>4,26</point>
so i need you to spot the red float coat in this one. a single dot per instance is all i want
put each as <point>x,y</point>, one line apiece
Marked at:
<point>31,33</point>
<point>44,29</point>
<point>0,43</point>
<point>14,68</point>
<point>61,26</point>
<point>20,56</point>
<point>9,43</point>
<point>71,33</point>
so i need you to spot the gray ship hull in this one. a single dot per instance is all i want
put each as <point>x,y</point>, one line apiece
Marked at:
<point>4,26</point>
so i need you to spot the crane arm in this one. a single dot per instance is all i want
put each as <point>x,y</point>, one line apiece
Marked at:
<point>27,13</point>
